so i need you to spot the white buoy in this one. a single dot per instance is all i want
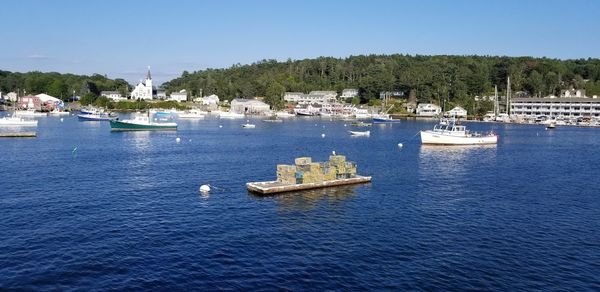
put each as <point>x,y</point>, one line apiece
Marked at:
<point>61,120</point>
<point>400,145</point>
<point>204,188</point>
<point>323,135</point>
<point>190,140</point>
<point>345,125</point>
<point>177,139</point>
<point>220,126</point>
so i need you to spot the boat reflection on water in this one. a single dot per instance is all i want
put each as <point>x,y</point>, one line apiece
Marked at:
<point>449,163</point>
<point>310,199</point>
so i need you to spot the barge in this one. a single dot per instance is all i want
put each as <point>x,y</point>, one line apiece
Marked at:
<point>307,175</point>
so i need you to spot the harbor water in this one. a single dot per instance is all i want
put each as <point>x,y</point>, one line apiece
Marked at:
<point>86,208</point>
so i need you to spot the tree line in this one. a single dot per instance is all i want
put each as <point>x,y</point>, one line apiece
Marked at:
<point>437,79</point>
<point>63,86</point>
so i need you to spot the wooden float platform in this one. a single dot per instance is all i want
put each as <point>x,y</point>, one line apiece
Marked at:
<point>18,135</point>
<point>274,187</point>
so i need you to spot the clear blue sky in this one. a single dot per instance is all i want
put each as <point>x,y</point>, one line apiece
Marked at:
<point>120,38</point>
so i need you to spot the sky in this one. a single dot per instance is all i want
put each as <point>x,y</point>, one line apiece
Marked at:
<point>121,38</point>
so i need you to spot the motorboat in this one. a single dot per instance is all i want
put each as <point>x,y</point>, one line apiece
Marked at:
<point>141,123</point>
<point>384,119</point>
<point>551,125</point>
<point>361,124</point>
<point>98,116</point>
<point>57,112</point>
<point>360,133</point>
<point>249,126</point>
<point>17,122</point>
<point>450,132</point>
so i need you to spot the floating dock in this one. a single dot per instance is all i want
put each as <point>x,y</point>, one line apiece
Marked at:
<point>18,135</point>
<point>274,187</point>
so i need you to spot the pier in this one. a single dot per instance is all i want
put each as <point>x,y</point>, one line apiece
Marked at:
<point>274,187</point>
<point>18,135</point>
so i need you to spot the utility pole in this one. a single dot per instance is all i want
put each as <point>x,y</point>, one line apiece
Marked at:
<point>508,96</point>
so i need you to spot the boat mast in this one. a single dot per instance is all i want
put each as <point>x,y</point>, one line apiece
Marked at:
<point>495,100</point>
<point>508,96</point>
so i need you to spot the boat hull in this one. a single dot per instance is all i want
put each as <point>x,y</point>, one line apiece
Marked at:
<point>17,123</point>
<point>94,118</point>
<point>433,138</point>
<point>385,121</point>
<point>123,126</point>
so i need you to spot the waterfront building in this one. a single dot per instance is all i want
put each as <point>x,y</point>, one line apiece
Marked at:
<point>571,103</point>
<point>391,94</point>
<point>30,102</point>
<point>161,94</point>
<point>113,95</point>
<point>12,96</point>
<point>249,106</point>
<point>318,96</point>
<point>180,96</point>
<point>144,89</point>
<point>349,93</point>
<point>212,99</point>
<point>50,102</point>
<point>428,110</point>
<point>457,112</point>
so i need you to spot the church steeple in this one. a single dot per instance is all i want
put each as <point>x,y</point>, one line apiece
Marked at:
<point>148,77</point>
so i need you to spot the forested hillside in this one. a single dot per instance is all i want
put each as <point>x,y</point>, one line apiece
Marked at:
<point>431,78</point>
<point>58,85</point>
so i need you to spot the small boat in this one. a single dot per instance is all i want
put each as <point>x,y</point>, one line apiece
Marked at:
<point>230,115</point>
<point>249,126</point>
<point>283,114</point>
<point>192,114</point>
<point>551,125</point>
<point>361,124</point>
<point>273,120</point>
<point>56,112</point>
<point>30,113</point>
<point>384,119</point>
<point>449,132</point>
<point>141,123</point>
<point>360,133</point>
<point>17,121</point>
<point>96,117</point>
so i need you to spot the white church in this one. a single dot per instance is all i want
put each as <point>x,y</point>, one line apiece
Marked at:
<point>144,89</point>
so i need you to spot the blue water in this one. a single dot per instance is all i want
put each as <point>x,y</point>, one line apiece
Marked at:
<point>123,211</point>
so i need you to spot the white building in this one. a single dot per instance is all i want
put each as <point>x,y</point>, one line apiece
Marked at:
<point>319,97</point>
<point>556,107</point>
<point>349,93</point>
<point>113,95</point>
<point>12,96</point>
<point>161,94</point>
<point>249,106</point>
<point>50,100</point>
<point>212,99</point>
<point>457,112</point>
<point>428,110</point>
<point>144,89</point>
<point>180,96</point>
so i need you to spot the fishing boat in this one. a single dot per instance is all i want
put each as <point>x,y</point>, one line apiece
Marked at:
<point>450,132</point>
<point>17,122</point>
<point>384,119</point>
<point>98,116</point>
<point>360,133</point>
<point>141,123</point>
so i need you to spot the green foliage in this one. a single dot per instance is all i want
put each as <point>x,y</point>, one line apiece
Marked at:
<point>88,99</point>
<point>430,78</point>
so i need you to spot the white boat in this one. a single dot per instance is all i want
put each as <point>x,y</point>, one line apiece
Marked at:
<point>249,126</point>
<point>30,113</point>
<point>141,122</point>
<point>56,112</point>
<point>360,133</point>
<point>283,114</point>
<point>17,121</point>
<point>384,119</point>
<point>192,114</point>
<point>230,115</point>
<point>450,133</point>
